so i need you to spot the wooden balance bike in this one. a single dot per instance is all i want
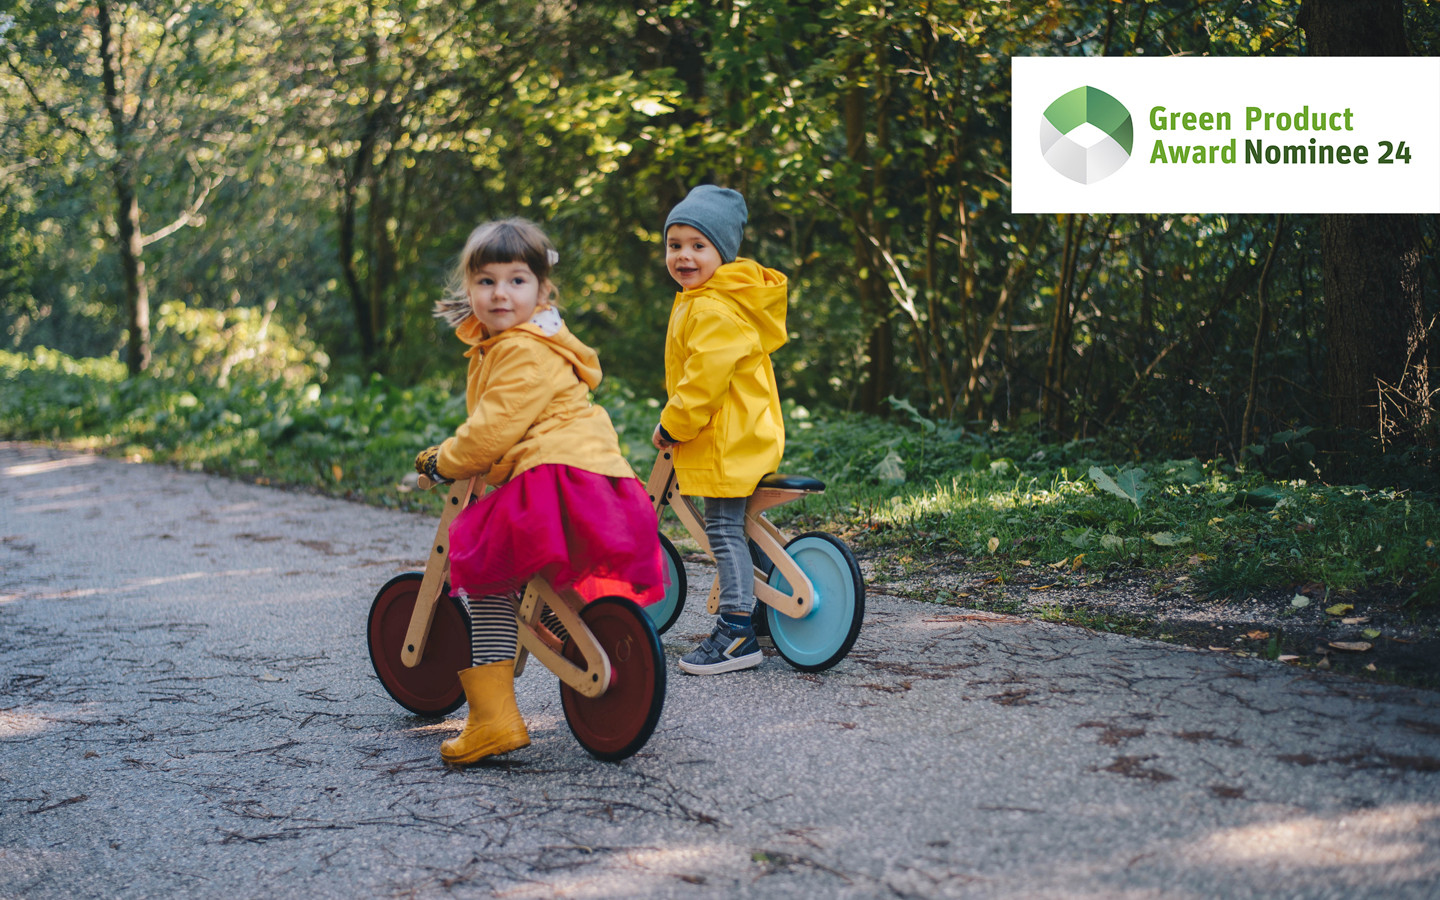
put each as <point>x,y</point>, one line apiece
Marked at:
<point>812,593</point>
<point>611,667</point>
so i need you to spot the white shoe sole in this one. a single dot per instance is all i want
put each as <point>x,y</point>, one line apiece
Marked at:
<point>748,661</point>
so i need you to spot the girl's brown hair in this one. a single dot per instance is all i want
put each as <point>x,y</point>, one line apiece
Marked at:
<point>502,241</point>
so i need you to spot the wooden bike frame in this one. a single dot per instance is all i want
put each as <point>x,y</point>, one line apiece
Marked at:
<point>534,638</point>
<point>665,491</point>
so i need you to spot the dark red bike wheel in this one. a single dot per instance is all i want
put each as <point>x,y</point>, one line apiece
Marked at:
<point>617,723</point>
<point>433,687</point>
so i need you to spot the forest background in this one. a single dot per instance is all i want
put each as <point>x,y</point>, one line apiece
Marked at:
<point>223,226</point>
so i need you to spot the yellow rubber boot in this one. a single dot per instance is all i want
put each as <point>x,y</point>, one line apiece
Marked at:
<point>494,725</point>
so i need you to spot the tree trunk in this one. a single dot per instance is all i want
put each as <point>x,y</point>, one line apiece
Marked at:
<point>129,239</point>
<point>132,267</point>
<point>349,215</point>
<point>1052,391</point>
<point>1377,354</point>
<point>879,340</point>
<point>1377,348</point>
<point>1256,349</point>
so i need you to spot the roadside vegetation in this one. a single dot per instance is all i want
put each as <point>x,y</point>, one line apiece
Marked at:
<point>901,488</point>
<point>1233,409</point>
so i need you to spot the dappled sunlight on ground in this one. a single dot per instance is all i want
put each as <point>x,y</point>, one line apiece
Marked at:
<point>137,584</point>
<point>17,723</point>
<point>1394,837</point>
<point>52,492</point>
<point>81,502</point>
<point>1310,855</point>
<point>677,865</point>
<point>50,465</point>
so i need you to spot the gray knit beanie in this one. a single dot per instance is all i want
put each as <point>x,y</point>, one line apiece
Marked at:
<point>719,213</point>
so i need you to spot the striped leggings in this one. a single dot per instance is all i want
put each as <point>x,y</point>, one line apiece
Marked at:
<point>493,629</point>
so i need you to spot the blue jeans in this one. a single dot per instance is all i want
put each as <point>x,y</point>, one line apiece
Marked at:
<point>725,529</point>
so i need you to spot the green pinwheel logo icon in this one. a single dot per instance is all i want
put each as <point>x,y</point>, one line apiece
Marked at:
<point>1086,135</point>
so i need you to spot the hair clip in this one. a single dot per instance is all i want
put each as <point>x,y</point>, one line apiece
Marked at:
<point>552,257</point>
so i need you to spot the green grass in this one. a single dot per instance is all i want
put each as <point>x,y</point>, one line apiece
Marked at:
<point>1006,502</point>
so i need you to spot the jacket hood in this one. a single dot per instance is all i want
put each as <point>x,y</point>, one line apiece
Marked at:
<point>584,360</point>
<point>760,293</point>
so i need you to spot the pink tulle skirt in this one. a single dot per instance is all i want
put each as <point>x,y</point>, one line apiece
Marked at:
<point>580,530</point>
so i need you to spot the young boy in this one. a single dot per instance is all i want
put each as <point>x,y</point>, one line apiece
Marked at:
<point>723,417</point>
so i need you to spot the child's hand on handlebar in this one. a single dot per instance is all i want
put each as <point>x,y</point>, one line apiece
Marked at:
<point>426,464</point>
<point>659,439</point>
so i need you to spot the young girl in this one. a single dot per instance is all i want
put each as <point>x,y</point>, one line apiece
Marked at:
<point>723,416</point>
<point>568,506</point>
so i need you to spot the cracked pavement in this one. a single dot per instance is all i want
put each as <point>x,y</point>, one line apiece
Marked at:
<point>187,708</point>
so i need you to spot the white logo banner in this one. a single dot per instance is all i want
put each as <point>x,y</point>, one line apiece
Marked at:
<point>1225,135</point>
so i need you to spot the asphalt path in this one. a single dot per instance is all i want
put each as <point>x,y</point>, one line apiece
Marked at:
<point>187,709</point>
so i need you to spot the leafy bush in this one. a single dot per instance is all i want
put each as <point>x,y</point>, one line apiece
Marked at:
<point>1001,501</point>
<point>210,345</point>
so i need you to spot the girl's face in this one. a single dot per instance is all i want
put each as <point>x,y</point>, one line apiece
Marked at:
<point>503,295</point>
<point>690,256</point>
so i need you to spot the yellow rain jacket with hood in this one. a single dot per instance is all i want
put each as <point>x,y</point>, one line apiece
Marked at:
<point>527,391</point>
<point>724,403</point>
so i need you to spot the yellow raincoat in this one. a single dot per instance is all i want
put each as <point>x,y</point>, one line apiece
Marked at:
<point>724,404</point>
<point>528,396</point>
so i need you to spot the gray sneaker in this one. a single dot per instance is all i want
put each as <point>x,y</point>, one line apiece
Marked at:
<point>727,649</point>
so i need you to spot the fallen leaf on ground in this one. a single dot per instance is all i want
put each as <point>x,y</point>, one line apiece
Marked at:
<point>1371,633</point>
<point>1257,635</point>
<point>1370,667</point>
<point>1287,657</point>
<point>1339,609</point>
<point>1355,620</point>
<point>1221,649</point>
<point>1167,539</point>
<point>1299,601</point>
<point>1358,646</point>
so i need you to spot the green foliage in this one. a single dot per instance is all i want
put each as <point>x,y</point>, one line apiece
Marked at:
<point>1002,501</point>
<point>1130,484</point>
<point>49,395</point>
<point>325,159</point>
<point>208,345</point>
<point>1007,501</point>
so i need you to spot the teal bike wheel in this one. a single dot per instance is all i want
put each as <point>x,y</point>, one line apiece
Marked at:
<point>665,611</point>
<point>825,635</point>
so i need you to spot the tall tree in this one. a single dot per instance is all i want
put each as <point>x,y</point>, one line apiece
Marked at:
<point>136,83</point>
<point>1378,374</point>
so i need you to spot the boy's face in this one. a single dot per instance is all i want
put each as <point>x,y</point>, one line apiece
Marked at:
<point>689,256</point>
<point>503,295</point>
